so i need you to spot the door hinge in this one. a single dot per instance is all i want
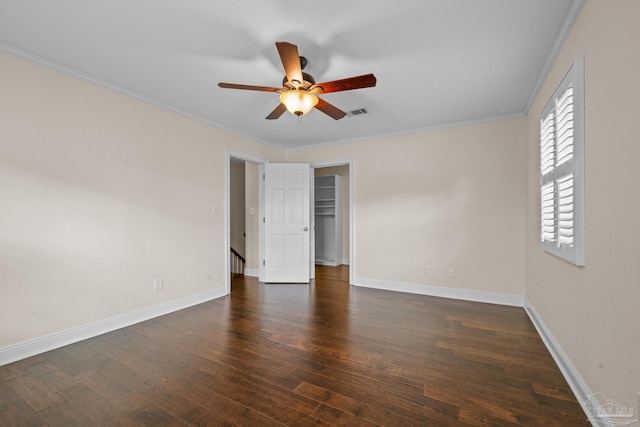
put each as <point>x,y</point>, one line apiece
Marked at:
<point>264,176</point>
<point>263,262</point>
<point>264,220</point>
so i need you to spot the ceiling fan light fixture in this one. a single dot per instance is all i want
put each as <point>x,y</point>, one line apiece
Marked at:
<point>298,102</point>
<point>299,89</point>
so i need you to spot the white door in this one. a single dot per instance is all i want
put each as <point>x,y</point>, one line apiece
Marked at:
<point>286,222</point>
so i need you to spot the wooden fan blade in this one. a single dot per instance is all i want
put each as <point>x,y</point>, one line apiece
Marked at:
<point>330,110</point>
<point>249,87</point>
<point>358,82</point>
<point>279,110</point>
<point>291,62</point>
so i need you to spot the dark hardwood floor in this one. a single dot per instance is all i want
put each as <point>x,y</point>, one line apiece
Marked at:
<point>298,355</point>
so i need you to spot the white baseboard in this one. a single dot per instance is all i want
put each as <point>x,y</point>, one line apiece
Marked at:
<point>251,272</point>
<point>579,387</point>
<point>30,348</point>
<point>331,263</point>
<point>438,291</point>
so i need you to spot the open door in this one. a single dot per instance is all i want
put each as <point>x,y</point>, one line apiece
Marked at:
<point>286,222</point>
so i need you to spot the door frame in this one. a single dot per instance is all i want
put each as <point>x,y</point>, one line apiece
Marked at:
<point>349,161</point>
<point>231,153</point>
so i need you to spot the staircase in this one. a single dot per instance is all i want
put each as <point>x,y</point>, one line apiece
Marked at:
<point>237,262</point>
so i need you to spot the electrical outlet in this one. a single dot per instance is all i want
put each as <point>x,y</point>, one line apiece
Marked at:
<point>427,270</point>
<point>158,285</point>
<point>451,272</point>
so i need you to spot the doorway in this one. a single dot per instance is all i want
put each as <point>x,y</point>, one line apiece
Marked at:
<point>332,217</point>
<point>253,209</point>
<point>237,221</point>
<point>242,216</point>
<point>344,168</point>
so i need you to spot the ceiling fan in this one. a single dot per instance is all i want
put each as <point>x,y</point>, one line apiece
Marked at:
<point>299,90</point>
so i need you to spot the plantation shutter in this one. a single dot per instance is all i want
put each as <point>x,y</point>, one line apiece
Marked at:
<point>565,210</point>
<point>561,169</point>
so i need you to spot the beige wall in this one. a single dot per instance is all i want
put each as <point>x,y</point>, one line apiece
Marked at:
<point>593,311</point>
<point>446,198</point>
<point>100,194</point>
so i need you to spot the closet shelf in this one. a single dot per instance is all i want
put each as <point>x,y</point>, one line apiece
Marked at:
<point>328,219</point>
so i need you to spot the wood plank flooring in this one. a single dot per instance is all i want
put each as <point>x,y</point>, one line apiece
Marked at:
<point>298,355</point>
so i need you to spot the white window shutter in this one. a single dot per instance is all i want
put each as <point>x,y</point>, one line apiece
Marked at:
<point>565,211</point>
<point>548,212</point>
<point>562,169</point>
<point>564,127</point>
<point>548,143</point>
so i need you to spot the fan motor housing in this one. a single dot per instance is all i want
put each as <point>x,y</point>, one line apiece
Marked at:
<point>308,80</point>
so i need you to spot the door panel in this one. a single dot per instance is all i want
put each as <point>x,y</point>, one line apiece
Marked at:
<point>287,217</point>
<point>276,250</point>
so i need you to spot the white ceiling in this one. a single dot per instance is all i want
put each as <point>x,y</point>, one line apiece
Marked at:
<point>438,62</point>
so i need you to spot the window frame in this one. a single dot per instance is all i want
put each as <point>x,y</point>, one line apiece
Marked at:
<point>575,252</point>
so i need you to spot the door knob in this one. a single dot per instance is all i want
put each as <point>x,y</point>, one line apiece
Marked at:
<point>306,229</point>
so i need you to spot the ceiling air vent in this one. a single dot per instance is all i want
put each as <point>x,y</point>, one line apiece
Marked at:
<point>357,112</point>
